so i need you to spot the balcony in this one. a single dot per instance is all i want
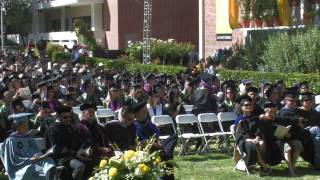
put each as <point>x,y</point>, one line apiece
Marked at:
<point>45,4</point>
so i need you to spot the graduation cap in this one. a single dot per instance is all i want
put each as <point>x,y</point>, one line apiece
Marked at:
<point>62,109</point>
<point>269,105</point>
<point>173,84</point>
<point>149,76</point>
<point>291,93</point>
<point>137,107</point>
<point>114,86</point>
<point>20,117</point>
<point>243,98</point>
<point>86,106</point>
<point>272,89</point>
<point>136,83</point>
<point>246,82</point>
<point>265,83</point>
<point>229,83</point>
<point>252,89</point>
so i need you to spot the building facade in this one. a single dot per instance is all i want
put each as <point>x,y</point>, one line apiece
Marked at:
<point>115,22</point>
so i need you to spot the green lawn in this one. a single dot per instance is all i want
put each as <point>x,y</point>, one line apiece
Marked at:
<point>220,166</point>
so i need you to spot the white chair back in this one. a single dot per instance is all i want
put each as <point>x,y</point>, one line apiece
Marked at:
<point>163,120</point>
<point>317,99</point>
<point>227,116</point>
<point>186,119</point>
<point>76,110</point>
<point>208,117</point>
<point>105,113</point>
<point>99,107</point>
<point>188,108</point>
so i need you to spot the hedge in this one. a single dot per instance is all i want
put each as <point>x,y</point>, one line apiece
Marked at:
<point>120,64</point>
<point>257,77</point>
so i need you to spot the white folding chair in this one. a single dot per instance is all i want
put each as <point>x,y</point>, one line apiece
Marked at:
<point>185,137</point>
<point>240,165</point>
<point>317,99</point>
<point>104,113</point>
<point>41,143</point>
<point>163,120</point>
<point>76,110</point>
<point>226,118</point>
<point>213,131</point>
<point>188,108</point>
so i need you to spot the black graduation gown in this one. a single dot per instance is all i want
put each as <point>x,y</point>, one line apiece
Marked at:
<point>123,136</point>
<point>290,117</point>
<point>63,136</point>
<point>274,147</point>
<point>248,129</point>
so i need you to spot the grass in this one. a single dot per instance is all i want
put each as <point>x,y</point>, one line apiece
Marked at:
<point>220,166</point>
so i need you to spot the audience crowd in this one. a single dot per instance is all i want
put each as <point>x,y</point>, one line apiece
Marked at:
<point>38,101</point>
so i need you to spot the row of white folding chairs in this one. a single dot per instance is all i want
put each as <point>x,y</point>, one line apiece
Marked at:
<point>191,119</point>
<point>100,113</point>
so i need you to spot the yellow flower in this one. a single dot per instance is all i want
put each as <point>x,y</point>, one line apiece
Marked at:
<point>103,164</point>
<point>158,160</point>
<point>129,154</point>
<point>143,168</point>
<point>113,172</point>
<point>91,178</point>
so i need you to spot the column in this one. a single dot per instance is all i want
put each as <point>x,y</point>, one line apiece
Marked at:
<point>96,17</point>
<point>63,18</point>
<point>35,18</point>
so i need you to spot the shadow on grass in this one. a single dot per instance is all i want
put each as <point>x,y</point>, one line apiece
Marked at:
<point>199,158</point>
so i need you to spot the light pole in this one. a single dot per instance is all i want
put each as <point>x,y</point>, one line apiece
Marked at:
<point>2,38</point>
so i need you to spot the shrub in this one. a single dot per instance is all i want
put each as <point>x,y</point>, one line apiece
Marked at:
<point>257,77</point>
<point>168,52</point>
<point>52,48</point>
<point>59,57</point>
<point>84,34</point>
<point>297,52</point>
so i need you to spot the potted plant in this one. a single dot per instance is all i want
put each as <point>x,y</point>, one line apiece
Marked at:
<point>245,6</point>
<point>309,14</point>
<point>257,12</point>
<point>267,17</point>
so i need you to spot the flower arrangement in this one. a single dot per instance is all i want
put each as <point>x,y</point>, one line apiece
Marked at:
<point>141,164</point>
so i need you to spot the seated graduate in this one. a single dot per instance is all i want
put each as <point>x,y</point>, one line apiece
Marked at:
<point>291,115</point>
<point>248,136</point>
<point>92,137</point>
<point>290,146</point>
<point>65,137</point>
<point>311,116</point>
<point>154,105</point>
<point>43,118</point>
<point>145,129</point>
<point>22,157</point>
<point>122,132</point>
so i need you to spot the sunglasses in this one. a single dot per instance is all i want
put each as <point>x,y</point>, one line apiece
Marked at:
<point>291,100</point>
<point>246,105</point>
<point>307,100</point>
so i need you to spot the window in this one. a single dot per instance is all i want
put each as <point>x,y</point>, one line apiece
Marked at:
<point>86,19</point>
<point>55,25</point>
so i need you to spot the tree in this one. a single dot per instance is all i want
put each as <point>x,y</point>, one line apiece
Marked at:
<point>18,17</point>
